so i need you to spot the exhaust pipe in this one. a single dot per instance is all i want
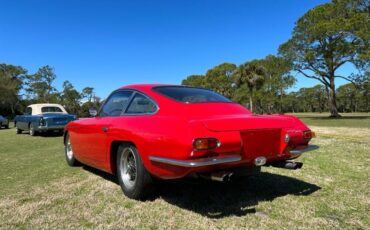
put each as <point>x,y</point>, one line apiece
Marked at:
<point>288,165</point>
<point>218,176</point>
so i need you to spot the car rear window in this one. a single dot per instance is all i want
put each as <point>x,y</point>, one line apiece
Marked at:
<point>190,94</point>
<point>51,109</point>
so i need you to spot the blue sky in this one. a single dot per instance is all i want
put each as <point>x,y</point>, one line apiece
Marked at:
<point>107,44</point>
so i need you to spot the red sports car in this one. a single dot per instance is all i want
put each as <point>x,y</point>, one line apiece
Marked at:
<point>143,132</point>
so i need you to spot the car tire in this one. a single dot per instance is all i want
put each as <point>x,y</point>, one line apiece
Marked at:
<point>70,158</point>
<point>17,130</point>
<point>7,126</point>
<point>135,181</point>
<point>32,130</point>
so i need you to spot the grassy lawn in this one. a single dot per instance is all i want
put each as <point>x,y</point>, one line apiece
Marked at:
<point>359,120</point>
<point>39,190</point>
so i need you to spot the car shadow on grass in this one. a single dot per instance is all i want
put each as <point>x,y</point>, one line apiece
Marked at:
<point>218,200</point>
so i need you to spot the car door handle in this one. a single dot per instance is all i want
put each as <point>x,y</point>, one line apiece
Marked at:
<point>105,129</point>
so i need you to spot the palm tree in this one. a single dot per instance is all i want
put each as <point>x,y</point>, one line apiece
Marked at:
<point>253,74</point>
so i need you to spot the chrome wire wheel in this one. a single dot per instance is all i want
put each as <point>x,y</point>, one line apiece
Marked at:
<point>128,168</point>
<point>69,150</point>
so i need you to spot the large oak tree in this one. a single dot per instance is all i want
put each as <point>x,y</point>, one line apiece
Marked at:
<point>326,38</point>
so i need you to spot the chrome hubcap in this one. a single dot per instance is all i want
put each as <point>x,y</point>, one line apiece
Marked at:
<point>128,168</point>
<point>69,150</point>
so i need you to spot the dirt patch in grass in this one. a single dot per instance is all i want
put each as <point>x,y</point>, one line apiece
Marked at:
<point>360,134</point>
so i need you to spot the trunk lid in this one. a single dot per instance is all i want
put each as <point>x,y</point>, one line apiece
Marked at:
<point>248,122</point>
<point>261,135</point>
<point>58,119</point>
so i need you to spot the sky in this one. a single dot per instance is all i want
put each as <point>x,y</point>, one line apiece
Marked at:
<point>108,44</point>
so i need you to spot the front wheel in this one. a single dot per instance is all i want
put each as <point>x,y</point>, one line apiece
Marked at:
<point>135,180</point>
<point>70,157</point>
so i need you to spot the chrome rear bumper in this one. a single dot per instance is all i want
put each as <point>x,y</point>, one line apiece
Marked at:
<point>193,163</point>
<point>300,151</point>
<point>52,127</point>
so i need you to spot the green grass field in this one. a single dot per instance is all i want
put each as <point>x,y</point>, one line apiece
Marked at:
<point>331,191</point>
<point>359,120</point>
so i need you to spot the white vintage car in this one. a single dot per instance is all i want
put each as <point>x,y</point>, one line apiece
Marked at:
<point>42,118</point>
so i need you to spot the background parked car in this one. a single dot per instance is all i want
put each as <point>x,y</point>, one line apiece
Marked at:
<point>42,118</point>
<point>4,122</point>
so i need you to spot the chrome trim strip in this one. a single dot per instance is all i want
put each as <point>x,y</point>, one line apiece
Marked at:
<point>197,162</point>
<point>300,151</point>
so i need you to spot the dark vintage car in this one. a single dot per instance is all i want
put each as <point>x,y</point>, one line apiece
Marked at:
<point>4,122</point>
<point>42,118</point>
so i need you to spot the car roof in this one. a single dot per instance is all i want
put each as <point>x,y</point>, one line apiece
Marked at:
<point>144,86</point>
<point>36,108</point>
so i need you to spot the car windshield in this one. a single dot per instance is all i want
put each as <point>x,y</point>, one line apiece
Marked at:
<point>1,117</point>
<point>190,94</point>
<point>51,109</point>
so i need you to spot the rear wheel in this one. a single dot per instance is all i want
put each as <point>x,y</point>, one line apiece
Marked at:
<point>17,130</point>
<point>71,160</point>
<point>7,126</point>
<point>32,130</point>
<point>135,180</point>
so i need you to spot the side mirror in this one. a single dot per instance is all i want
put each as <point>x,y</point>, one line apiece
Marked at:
<point>93,112</point>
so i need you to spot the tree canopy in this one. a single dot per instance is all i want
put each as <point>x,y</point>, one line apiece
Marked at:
<point>326,38</point>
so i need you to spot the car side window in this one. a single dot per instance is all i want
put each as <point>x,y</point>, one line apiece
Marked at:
<point>28,111</point>
<point>141,104</point>
<point>115,104</point>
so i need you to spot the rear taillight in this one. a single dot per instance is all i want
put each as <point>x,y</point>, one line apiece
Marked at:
<point>42,122</point>
<point>308,134</point>
<point>205,143</point>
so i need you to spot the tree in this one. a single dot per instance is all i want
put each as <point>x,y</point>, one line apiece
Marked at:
<point>194,80</point>
<point>10,84</point>
<point>88,93</point>
<point>278,79</point>
<point>326,38</point>
<point>253,75</point>
<point>39,85</point>
<point>220,79</point>
<point>70,98</point>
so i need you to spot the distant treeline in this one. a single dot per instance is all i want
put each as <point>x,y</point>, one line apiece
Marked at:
<point>267,90</point>
<point>18,89</point>
<point>323,40</point>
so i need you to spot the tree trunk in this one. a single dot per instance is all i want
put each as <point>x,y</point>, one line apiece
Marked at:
<point>250,103</point>
<point>332,99</point>
<point>281,100</point>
